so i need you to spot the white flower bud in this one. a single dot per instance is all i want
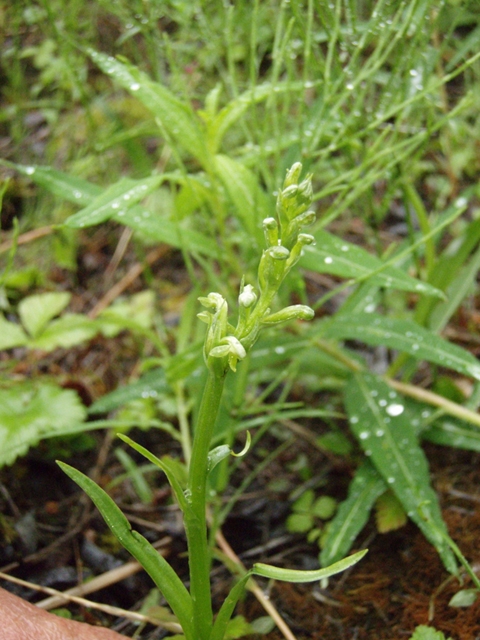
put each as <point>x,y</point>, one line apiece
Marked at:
<point>248,297</point>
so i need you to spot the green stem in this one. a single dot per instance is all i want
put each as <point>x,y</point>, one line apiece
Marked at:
<point>195,518</point>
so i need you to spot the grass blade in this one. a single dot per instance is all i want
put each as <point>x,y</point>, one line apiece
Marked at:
<point>384,430</point>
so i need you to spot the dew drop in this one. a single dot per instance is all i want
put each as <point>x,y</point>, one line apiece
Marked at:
<point>379,432</point>
<point>279,350</point>
<point>328,260</point>
<point>29,170</point>
<point>363,435</point>
<point>353,419</point>
<point>77,194</point>
<point>115,205</point>
<point>461,202</point>
<point>134,86</point>
<point>390,480</point>
<point>395,409</point>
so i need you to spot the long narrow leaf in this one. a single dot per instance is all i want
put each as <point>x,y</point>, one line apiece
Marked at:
<point>154,564</point>
<point>333,255</point>
<point>383,428</point>
<point>226,610</point>
<point>352,514</point>
<point>402,335</point>
<point>176,117</point>
<point>295,575</point>
<point>116,198</point>
<point>453,433</point>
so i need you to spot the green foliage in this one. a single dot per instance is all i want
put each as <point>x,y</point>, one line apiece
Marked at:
<point>423,632</point>
<point>380,102</point>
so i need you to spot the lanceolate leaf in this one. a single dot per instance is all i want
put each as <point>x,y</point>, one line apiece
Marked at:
<point>60,184</point>
<point>138,218</point>
<point>352,514</point>
<point>383,428</point>
<point>154,564</point>
<point>333,255</point>
<point>177,118</point>
<point>115,199</point>
<point>402,335</point>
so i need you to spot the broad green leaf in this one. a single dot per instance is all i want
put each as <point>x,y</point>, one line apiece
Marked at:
<point>37,310</point>
<point>60,184</point>
<point>31,412</point>
<point>153,562</point>
<point>383,428</point>
<point>114,200</point>
<point>11,334</point>
<point>176,118</point>
<point>401,335</point>
<point>352,514</point>
<point>464,598</point>
<point>294,575</point>
<point>333,255</point>
<point>150,385</point>
<point>453,433</point>
<point>68,331</point>
<point>250,201</point>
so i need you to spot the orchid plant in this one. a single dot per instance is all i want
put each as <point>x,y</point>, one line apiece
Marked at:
<point>224,346</point>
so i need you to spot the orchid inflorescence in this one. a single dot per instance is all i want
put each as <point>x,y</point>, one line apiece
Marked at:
<point>225,345</point>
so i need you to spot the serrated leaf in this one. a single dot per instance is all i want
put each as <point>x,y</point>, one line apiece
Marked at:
<point>30,412</point>
<point>384,431</point>
<point>334,255</point>
<point>294,575</point>
<point>389,513</point>
<point>401,335</point>
<point>114,200</point>
<point>352,514</point>
<point>177,118</point>
<point>423,632</point>
<point>37,310</point>
<point>153,562</point>
<point>68,331</point>
<point>11,334</point>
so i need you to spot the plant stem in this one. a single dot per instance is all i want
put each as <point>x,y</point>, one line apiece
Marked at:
<point>195,518</point>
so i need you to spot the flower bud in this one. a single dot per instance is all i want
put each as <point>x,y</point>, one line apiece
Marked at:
<point>247,297</point>
<point>293,174</point>
<point>270,228</point>
<point>295,312</point>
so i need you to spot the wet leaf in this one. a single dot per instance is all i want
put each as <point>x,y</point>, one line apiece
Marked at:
<point>176,117</point>
<point>401,335</point>
<point>333,255</point>
<point>386,435</point>
<point>114,200</point>
<point>453,433</point>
